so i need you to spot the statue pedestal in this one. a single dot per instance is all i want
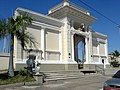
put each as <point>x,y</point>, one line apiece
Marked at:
<point>39,78</point>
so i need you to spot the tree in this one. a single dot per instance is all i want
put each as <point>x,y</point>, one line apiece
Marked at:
<point>115,55</point>
<point>16,27</point>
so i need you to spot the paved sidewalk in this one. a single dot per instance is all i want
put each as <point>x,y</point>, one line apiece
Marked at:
<point>86,82</point>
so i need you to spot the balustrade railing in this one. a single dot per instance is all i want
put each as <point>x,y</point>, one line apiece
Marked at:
<point>100,70</point>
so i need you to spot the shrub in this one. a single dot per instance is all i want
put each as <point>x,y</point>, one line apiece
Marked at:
<point>115,64</point>
<point>23,72</point>
<point>20,76</point>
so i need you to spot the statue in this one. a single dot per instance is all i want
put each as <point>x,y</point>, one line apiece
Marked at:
<point>37,68</point>
<point>31,63</point>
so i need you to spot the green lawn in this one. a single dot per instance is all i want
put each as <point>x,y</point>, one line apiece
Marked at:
<point>22,76</point>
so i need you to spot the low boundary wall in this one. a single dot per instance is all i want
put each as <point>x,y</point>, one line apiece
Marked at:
<point>4,61</point>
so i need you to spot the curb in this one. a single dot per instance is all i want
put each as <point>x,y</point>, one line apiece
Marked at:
<point>20,84</point>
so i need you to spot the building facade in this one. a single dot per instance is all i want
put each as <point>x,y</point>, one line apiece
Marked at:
<point>64,38</point>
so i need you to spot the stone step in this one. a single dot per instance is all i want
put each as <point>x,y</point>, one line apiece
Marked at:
<point>60,75</point>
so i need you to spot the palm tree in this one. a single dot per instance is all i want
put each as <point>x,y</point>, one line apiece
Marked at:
<point>115,54</point>
<point>16,27</point>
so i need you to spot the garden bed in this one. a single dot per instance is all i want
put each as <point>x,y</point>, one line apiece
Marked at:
<point>19,77</point>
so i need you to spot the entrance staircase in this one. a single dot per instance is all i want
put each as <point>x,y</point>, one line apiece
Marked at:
<point>111,71</point>
<point>62,75</point>
<point>108,71</point>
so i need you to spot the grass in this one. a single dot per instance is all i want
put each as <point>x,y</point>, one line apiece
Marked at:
<point>19,77</point>
<point>3,70</point>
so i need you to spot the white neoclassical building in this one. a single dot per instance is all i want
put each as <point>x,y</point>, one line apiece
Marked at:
<point>64,38</point>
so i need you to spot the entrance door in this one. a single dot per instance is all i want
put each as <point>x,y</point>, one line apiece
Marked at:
<point>79,49</point>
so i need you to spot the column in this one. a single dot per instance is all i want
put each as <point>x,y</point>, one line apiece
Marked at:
<point>69,41</point>
<point>43,42</point>
<point>98,51</point>
<point>86,50</point>
<point>15,51</point>
<point>90,48</point>
<point>106,51</point>
<point>65,41</point>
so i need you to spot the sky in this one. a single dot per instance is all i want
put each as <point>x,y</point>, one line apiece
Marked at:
<point>110,8</point>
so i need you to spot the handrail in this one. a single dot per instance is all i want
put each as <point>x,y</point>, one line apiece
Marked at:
<point>100,70</point>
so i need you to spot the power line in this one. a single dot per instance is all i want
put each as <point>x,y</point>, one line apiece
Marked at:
<point>100,13</point>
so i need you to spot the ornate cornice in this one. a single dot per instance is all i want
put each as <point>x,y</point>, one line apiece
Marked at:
<point>67,11</point>
<point>41,18</point>
<point>99,35</point>
<point>46,26</point>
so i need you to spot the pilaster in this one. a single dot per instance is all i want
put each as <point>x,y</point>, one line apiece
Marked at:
<point>43,44</point>
<point>98,52</point>
<point>106,51</point>
<point>66,39</point>
<point>72,47</point>
<point>60,45</point>
<point>90,48</point>
<point>15,51</point>
<point>86,49</point>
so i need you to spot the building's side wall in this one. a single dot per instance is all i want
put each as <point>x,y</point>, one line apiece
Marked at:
<point>51,41</point>
<point>99,48</point>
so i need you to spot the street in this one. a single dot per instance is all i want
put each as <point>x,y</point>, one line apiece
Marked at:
<point>83,83</point>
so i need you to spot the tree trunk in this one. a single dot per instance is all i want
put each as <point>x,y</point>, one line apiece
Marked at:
<point>4,48</point>
<point>11,67</point>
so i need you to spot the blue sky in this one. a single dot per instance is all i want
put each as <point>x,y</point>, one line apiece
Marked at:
<point>109,8</point>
